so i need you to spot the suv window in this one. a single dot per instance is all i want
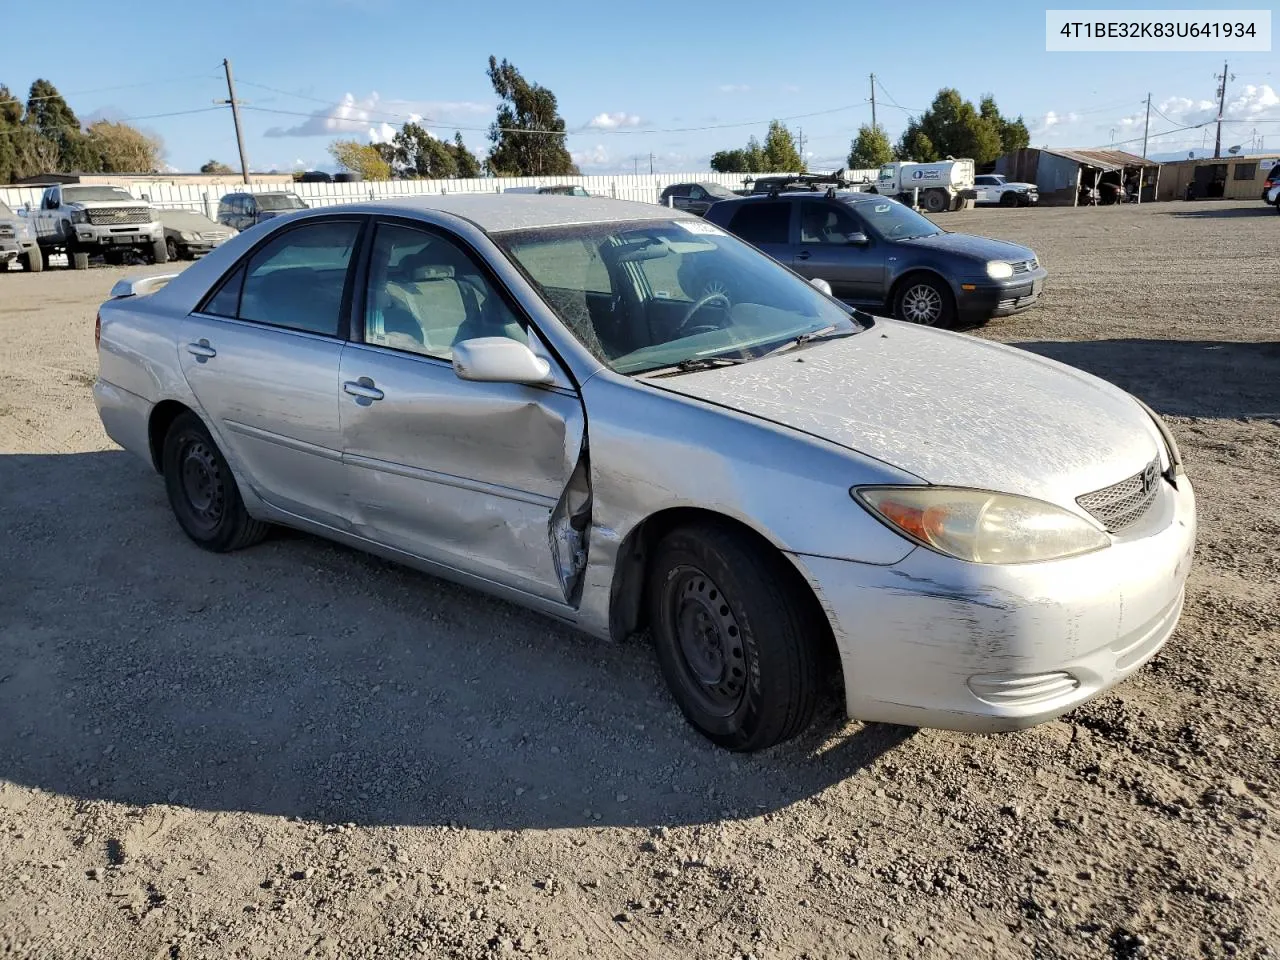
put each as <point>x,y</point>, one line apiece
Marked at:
<point>426,294</point>
<point>822,222</point>
<point>296,279</point>
<point>759,223</point>
<point>985,181</point>
<point>696,192</point>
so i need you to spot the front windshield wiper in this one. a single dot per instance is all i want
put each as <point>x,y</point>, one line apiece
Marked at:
<point>692,364</point>
<point>826,333</point>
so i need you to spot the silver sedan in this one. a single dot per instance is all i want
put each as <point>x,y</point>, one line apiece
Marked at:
<point>617,415</point>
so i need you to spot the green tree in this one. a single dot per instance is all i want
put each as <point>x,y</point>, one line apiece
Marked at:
<point>119,148</point>
<point>914,144</point>
<point>216,168</point>
<point>468,163</point>
<point>528,135</point>
<point>780,153</point>
<point>49,115</point>
<point>1013,133</point>
<point>870,148</point>
<point>730,161</point>
<point>361,158</point>
<point>10,130</point>
<point>953,127</point>
<point>421,156</point>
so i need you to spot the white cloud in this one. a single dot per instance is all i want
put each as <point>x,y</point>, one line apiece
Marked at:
<point>591,158</point>
<point>734,88</point>
<point>612,121</point>
<point>1050,120</point>
<point>373,116</point>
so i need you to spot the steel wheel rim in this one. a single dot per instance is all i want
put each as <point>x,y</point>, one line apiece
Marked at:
<point>708,641</point>
<point>202,484</point>
<point>922,304</point>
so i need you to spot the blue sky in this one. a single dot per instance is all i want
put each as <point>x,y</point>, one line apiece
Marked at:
<point>631,78</point>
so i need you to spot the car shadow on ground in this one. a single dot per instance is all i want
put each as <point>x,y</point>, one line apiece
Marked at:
<point>1182,378</point>
<point>1223,213</point>
<point>304,679</point>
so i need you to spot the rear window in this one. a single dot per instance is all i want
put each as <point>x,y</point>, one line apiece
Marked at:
<point>1275,173</point>
<point>759,223</point>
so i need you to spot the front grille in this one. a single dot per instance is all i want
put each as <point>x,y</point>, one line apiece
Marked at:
<point>1025,266</point>
<point>112,215</point>
<point>213,237</point>
<point>1125,503</point>
<point>7,233</point>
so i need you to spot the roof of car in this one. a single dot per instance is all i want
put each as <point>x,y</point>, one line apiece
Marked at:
<point>496,212</point>
<point>853,196</point>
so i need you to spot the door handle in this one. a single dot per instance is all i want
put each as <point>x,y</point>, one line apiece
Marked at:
<point>362,389</point>
<point>201,350</point>
<point>802,255</point>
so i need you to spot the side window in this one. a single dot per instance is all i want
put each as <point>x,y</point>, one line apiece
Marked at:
<point>426,294</point>
<point>759,223</point>
<point>226,302</point>
<point>826,223</point>
<point>296,280</point>
<point>697,193</point>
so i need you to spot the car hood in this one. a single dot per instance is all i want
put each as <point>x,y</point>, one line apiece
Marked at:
<point>979,248</point>
<point>948,408</point>
<point>1019,183</point>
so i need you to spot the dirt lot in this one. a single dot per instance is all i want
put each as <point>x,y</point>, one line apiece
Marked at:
<point>298,751</point>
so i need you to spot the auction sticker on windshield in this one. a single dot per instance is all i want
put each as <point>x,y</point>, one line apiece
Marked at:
<point>699,226</point>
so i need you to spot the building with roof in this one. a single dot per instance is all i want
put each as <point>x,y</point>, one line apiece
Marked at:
<point>1069,178</point>
<point>1229,178</point>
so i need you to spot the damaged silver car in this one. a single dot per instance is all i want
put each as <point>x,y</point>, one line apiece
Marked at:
<point>618,415</point>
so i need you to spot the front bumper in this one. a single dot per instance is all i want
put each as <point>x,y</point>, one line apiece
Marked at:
<point>982,299</point>
<point>9,250</point>
<point>129,235</point>
<point>936,642</point>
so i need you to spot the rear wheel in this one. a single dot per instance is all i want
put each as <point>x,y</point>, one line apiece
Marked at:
<point>202,491</point>
<point>737,642</point>
<point>924,300</point>
<point>936,201</point>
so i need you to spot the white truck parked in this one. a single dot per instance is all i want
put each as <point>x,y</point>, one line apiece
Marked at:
<point>80,220</point>
<point>994,188</point>
<point>944,185</point>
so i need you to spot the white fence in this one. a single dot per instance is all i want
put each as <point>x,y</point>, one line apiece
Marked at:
<point>204,197</point>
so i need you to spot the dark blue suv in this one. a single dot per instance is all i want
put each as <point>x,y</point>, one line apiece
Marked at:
<point>880,254</point>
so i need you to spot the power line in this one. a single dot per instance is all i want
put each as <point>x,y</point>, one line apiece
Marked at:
<point>72,126</point>
<point>123,86</point>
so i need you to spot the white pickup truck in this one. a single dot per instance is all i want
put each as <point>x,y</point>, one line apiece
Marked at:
<point>80,220</point>
<point>942,186</point>
<point>994,188</point>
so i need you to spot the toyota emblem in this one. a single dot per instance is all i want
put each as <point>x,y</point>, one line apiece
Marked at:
<point>1149,477</point>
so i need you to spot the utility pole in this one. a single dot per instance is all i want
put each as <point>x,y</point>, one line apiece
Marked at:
<point>235,116</point>
<point>873,101</point>
<point>1145,127</point>
<point>800,136</point>
<point>650,163</point>
<point>1222,102</point>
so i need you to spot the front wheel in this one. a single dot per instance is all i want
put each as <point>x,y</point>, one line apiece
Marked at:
<point>202,491</point>
<point>926,301</point>
<point>736,640</point>
<point>33,260</point>
<point>160,252</point>
<point>78,259</point>
<point>1009,199</point>
<point>171,246</point>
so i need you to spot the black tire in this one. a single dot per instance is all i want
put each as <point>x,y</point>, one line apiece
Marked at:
<point>78,259</point>
<point>33,260</point>
<point>171,248</point>
<point>921,291</point>
<point>159,252</point>
<point>936,201</point>
<point>202,491</point>
<point>737,643</point>
<point>1008,199</point>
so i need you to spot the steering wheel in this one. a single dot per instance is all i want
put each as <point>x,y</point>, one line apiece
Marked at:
<point>705,300</point>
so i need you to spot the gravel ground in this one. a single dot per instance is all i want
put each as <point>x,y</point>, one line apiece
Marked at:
<point>299,751</point>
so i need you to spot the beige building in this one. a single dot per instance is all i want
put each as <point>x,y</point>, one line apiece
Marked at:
<point>1230,178</point>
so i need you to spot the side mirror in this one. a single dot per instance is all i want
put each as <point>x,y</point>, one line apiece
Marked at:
<point>858,239</point>
<point>499,360</point>
<point>822,285</point>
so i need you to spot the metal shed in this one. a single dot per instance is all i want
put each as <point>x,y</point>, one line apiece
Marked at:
<point>1068,177</point>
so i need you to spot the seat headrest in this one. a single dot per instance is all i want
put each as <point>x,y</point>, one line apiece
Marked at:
<point>431,271</point>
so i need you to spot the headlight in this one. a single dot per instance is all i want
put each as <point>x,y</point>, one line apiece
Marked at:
<point>79,216</point>
<point>999,270</point>
<point>980,526</point>
<point>188,237</point>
